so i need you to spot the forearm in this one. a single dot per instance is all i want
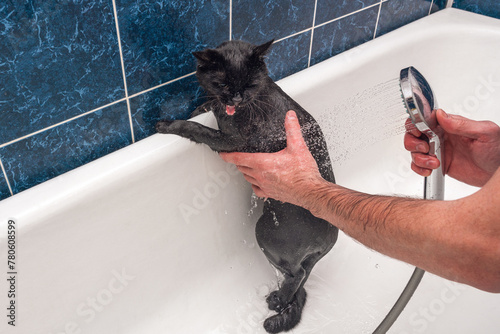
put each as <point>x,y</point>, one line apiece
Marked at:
<point>423,233</point>
<point>386,224</point>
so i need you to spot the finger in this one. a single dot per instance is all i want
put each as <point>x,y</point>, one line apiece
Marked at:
<point>410,128</point>
<point>414,144</point>
<point>420,171</point>
<point>250,179</point>
<point>242,159</point>
<point>425,161</point>
<point>294,139</point>
<point>258,191</point>
<point>459,125</point>
<point>245,170</point>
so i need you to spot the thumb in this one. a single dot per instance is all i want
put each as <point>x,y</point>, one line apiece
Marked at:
<point>294,139</point>
<point>458,125</point>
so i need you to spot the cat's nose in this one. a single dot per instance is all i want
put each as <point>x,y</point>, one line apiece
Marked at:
<point>237,98</point>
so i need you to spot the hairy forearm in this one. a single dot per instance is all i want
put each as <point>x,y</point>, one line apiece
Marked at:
<point>423,233</point>
<point>379,222</point>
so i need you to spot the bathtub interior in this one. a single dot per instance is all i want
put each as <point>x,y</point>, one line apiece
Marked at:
<point>158,237</point>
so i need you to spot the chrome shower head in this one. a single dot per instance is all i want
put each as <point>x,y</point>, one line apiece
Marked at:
<point>420,105</point>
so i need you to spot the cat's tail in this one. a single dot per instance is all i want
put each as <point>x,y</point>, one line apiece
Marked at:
<point>289,317</point>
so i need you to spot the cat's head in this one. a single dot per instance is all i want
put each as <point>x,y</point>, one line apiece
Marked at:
<point>234,73</point>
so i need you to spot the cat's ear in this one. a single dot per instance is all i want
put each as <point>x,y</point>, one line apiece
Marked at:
<point>207,57</point>
<point>261,50</point>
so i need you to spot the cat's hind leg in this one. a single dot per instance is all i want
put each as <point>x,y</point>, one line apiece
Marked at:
<point>289,317</point>
<point>280,299</point>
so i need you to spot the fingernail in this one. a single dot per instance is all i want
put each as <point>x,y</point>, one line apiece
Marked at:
<point>444,113</point>
<point>431,164</point>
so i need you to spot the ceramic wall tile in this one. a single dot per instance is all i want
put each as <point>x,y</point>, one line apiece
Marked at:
<point>259,21</point>
<point>159,36</point>
<point>397,13</point>
<point>484,7</point>
<point>173,101</point>
<point>437,5</point>
<point>50,153</point>
<point>4,188</point>
<point>331,9</point>
<point>344,34</point>
<point>58,59</point>
<point>289,56</point>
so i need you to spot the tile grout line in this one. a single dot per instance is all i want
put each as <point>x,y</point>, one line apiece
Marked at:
<point>292,35</point>
<point>61,123</point>
<point>93,111</point>
<point>328,22</point>
<point>230,19</point>
<point>430,8</point>
<point>347,15</point>
<point>161,85</point>
<point>6,178</point>
<point>123,72</point>
<point>378,18</point>
<point>312,34</point>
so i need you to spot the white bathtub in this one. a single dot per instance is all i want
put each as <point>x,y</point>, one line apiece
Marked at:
<point>159,237</point>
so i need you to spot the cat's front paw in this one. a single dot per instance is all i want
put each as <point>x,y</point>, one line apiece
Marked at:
<point>275,302</point>
<point>163,126</point>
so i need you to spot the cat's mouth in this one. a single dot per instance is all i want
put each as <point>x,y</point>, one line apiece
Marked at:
<point>230,110</point>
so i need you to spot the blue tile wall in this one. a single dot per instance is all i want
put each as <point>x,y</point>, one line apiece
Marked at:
<point>4,188</point>
<point>155,33</point>
<point>69,67</point>
<point>174,101</point>
<point>259,21</point>
<point>57,150</point>
<point>344,34</point>
<point>296,52</point>
<point>58,59</point>
<point>328,10</point>
<point>396,13</point>
<point>484,7</point>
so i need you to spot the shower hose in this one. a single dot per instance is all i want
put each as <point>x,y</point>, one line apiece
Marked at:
<point>400,304</point>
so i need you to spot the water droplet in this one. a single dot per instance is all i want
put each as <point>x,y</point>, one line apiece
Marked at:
<point>276,222</point>
<point>362,120</point>
<point>253,204</point>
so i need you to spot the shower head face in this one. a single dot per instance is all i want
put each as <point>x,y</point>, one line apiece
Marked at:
<point>419,102</point>
<point>418,99</point>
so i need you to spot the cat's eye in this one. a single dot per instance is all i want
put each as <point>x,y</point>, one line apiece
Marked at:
<point>222,85</point>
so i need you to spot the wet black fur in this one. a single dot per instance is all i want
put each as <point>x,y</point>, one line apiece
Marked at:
<point>235,74</point>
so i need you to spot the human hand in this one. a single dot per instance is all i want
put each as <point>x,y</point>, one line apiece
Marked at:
<point>285,175</point>
<point>471,149</point>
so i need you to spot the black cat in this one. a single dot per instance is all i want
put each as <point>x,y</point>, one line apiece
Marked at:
<point>250,110</point>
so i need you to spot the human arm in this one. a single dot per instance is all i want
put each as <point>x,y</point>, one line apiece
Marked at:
<point>471,148</point>
<point>458,240</point>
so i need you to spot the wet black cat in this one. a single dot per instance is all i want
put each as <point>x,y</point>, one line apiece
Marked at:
<point>250,110</point>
